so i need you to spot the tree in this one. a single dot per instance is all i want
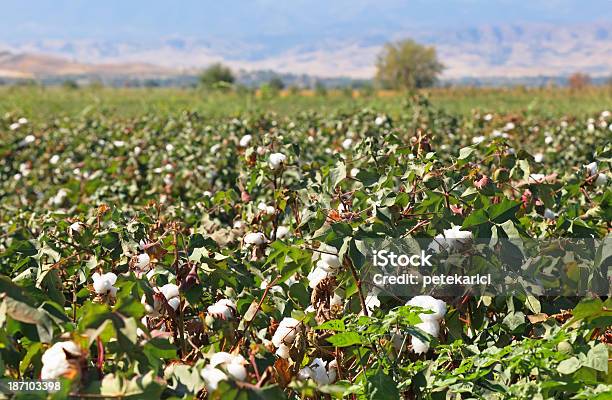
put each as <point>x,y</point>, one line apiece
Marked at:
<point>276,83</point>
<point>407,65</point>
<point>217,76</point>
<point>578,81</point>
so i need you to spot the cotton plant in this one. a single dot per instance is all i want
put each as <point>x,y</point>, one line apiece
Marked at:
<point>328,265</point>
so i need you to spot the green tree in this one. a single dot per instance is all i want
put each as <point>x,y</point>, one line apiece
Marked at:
<point>407,65</point>
<point>217,76</point>
<point>276,83</point>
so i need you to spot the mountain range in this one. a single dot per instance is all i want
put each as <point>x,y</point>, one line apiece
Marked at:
<point>506,50</point>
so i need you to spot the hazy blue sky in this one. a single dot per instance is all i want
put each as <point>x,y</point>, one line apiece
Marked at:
<point>232,19</point>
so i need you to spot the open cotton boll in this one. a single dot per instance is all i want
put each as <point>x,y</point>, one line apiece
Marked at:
<point>277,160</point>
<point>169,290</point>
<point>282,232</point>
<point>347,144</point>
<point>14,126</point>
<point>285,335</point>
<point>591,168</point>
<point>283,351</point>
<point>379,120</point>
<point>330,259</point>
<point>76,227</point>
<point>601,180</point>
<point>429,303</point>
<point>22,120</point>
<point>55,360</point>
<point>212,376</point>
<point>266,209</point>
<point>223,309</point>
<point>103,284</point>
<point>456,238</point>
<point>142,261</point>
<point>245,140</point>
<point>538,157</point>
<point>418,346</point>
<point>255,238</point>
<point>317,275</point>
<point>319,371</point>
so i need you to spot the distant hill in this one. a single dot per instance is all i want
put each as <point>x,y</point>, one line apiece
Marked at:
<point>510,51</point>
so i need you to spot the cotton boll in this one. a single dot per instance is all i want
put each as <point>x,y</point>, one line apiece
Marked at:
<point>418,346</point>
<point>142,261</point>
<point>429,303</point>
<point>277,160</point>
<point>591,128</point>
<point>169,290</point>
<point>372,301</point>
<point>330,259</point>
<point>245,140</point>
<point>55,361</point>
<point>431,327</point>
<point>22,120</point>
<point>285,332</point>
<point>318,372</point>
<point>347,144</point>
<point>548,139</point>
<point>266,209</point>
<point>76,227</point>
<point>14,126</point>
<point>103,284</point>
<point>591,168</point>
<point>255,238</point>
<point>335,300</point>
<point>223,309</point>
<point>212,376</point>
<point>478,139</point>
<point>54,159</point>
<point>601,180</point>
<point>379,120</point>
<point>354,172</point>
<point>282,232</point>
<point>316,276</point>
<point>283,351</point>
<point>174,303</point>
<point>538,157</point>
<point>457,239</point>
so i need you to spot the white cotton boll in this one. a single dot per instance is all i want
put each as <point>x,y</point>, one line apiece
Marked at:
<point>104,283</point>
<point>548,140</point>
<point>277,160</point>
<point>17,177</point>
<point>245,140</point>
<point>379,120</point>
<point>212,376</point>
<point>605,114</point>
<point>336,300</point>
<point>283,351</point>
<point>591,128</point>
<point>169,290</point>
<point>438,244</point>
<point>236,371</point>
<point>509,126</point>
<point>418,346</point>
<point>255,238</point>
<point>137,151</point>
<point>538,157</point>
<point>266,209</point>
<point>168,180</point>
<point>431,327</point>
<point>601,180</point>
<point>347,144</point>
<point>54,359</point>
<point>174,302</point>
<point>563,124</point>
<point>536,178</point>
<point>223,309</point>
<point>282,232</point>
<point>29,139</point>
<point>354,172</point>
<point>22,120</point>
<point>330,259</point>
<point>219,358</point>
<point>429,303</point>
<point>318,372</point>
<point>549,214</point>
<point>488,117</point>
<point>76,227</point>
<point>142,261</point>
<point>261,150</point>
<point>169,147</point>
<point>14,126</point>
<point>118,143</point>
<point>456,238</point>
<point>496,133</point>
<point>286,332</point>
<point>478,139</point>
<point>591,168</point>
<point>54,159</point>
<point>316,276</point>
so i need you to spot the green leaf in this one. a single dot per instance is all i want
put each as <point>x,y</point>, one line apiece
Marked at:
<point>568,366</point>
<point>345,339</point>
<point>381,386</point>
<point>332,325</point>
<point>466,152</point>
<point>597,358</point>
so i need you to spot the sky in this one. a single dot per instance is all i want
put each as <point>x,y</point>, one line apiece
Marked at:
<point>26,20</point>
